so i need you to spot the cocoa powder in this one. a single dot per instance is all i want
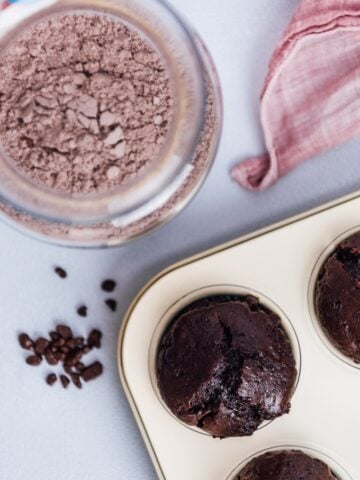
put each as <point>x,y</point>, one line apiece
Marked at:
<point>85,102</point>
<point>107,233</point>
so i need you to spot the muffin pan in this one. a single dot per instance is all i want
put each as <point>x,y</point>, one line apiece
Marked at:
<point>278,265</point>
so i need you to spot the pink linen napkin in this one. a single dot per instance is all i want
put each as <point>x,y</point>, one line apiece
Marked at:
<point>311,97</point>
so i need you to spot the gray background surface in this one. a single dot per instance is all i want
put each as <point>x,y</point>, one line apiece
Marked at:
<point>51,434</point>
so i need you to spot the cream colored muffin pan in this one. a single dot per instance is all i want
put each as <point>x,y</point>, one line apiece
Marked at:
<point>278,265</point>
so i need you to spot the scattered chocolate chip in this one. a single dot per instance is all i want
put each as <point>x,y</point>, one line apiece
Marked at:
<point>60,342</point>
<point>75,342</point>
<point>33,360</point>
<point>67,368</point>
<point>57,355</point>
<point>73,357</point>
<point>51,379</point>
<point>41,345</point>
<point>54,335</point>
<point>50,357</point>
<point>60,272</point>
<point>75,377</point>
<point>71,343</point>
<point>25,341</point>
<point>94,339</point>
<point>64,331</point>
<point>112,304</point>
<point>108,285</point>
<point>92,371</point>
<point>64,381</point>
<point>63,347</point>
<point>82,311</point>
<point>80,367</point>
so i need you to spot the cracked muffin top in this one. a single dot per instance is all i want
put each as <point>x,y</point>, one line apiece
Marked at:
<point>286,465</point>
<point>225,365</point>
<point>337,297</point>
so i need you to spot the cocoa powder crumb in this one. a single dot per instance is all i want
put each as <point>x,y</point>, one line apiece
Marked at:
<point>86,102</point>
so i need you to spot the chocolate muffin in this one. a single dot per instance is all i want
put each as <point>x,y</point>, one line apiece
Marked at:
<point>337,297</point>
<point>286,465</point>
<point>225,365</point>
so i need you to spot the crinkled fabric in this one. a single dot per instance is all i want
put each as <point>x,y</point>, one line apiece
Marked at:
<point>310,102</point>
<point>4,4</point>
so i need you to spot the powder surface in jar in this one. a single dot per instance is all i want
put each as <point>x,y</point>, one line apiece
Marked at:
<point>85,103</point>
<point>108,233</point>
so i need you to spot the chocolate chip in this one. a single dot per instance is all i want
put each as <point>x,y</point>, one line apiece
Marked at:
<point>73,357</point>
<point>78,356</point>
<point>33,360</point>
<point>80,367</point>
<point>64,381</point>
<point>63,347</point>
<point>60,342</point>
<point>112,304</point>
<point>25,341</point>
<point>41,345</point>
<point>75,377</point>
<point>108,285</point>
<point>75,342</point>
<point>50,357</point>
<point>71,343</point>
<point>79,341</point>
<point>82,311</point>
<point>51,379</point>
<point>60,272</point>
<point>54,335</point>
<point>92,371</point>
<point>94,339</point>
<point>67,368</point>
<point>59,356</point>
<point>64,331</point>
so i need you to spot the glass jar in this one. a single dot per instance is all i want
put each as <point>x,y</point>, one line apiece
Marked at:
<point>161,191</point>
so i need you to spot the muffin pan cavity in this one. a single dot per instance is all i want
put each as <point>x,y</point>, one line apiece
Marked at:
<point>336,469</point>
<point>274,265</point>
<point>341,267</point>
<point>223,295</point>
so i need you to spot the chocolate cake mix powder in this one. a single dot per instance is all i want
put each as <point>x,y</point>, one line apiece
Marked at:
<point>85,102</point>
